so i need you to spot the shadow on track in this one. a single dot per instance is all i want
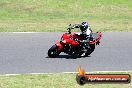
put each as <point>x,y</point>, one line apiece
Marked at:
<point>68,57</point>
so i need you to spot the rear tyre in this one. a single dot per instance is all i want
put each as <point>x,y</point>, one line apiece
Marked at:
<point>53,51</point>
<point>92,47</point>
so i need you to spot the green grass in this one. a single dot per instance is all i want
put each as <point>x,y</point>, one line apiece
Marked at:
<point>57,80</point>
<point>56,15</point>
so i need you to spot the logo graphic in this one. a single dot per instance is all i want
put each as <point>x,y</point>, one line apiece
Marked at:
<point>83,78</point>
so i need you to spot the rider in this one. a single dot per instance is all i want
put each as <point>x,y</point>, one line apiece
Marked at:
<point>85,34</point>
<point>85,29</point>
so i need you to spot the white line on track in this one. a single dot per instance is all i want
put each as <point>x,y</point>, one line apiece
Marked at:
<point>62,72</point>
<point>98,71</point>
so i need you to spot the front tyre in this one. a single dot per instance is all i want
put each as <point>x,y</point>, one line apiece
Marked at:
<point>53,51</point>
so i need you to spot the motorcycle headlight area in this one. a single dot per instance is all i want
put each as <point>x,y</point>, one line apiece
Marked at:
<point>62,40</point>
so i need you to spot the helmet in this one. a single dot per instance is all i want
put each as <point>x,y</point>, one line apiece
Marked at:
<point>84,26</point>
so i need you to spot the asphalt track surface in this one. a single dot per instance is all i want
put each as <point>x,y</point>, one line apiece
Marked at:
<point>27,53</point>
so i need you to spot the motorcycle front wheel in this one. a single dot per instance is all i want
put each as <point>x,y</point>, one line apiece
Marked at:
<point>53,51</point>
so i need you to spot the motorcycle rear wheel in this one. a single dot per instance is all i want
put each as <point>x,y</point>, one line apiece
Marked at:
<point>92,46</point>
<point>53,51</point>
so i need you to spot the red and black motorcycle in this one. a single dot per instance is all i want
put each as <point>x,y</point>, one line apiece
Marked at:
<point>73,44</point>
